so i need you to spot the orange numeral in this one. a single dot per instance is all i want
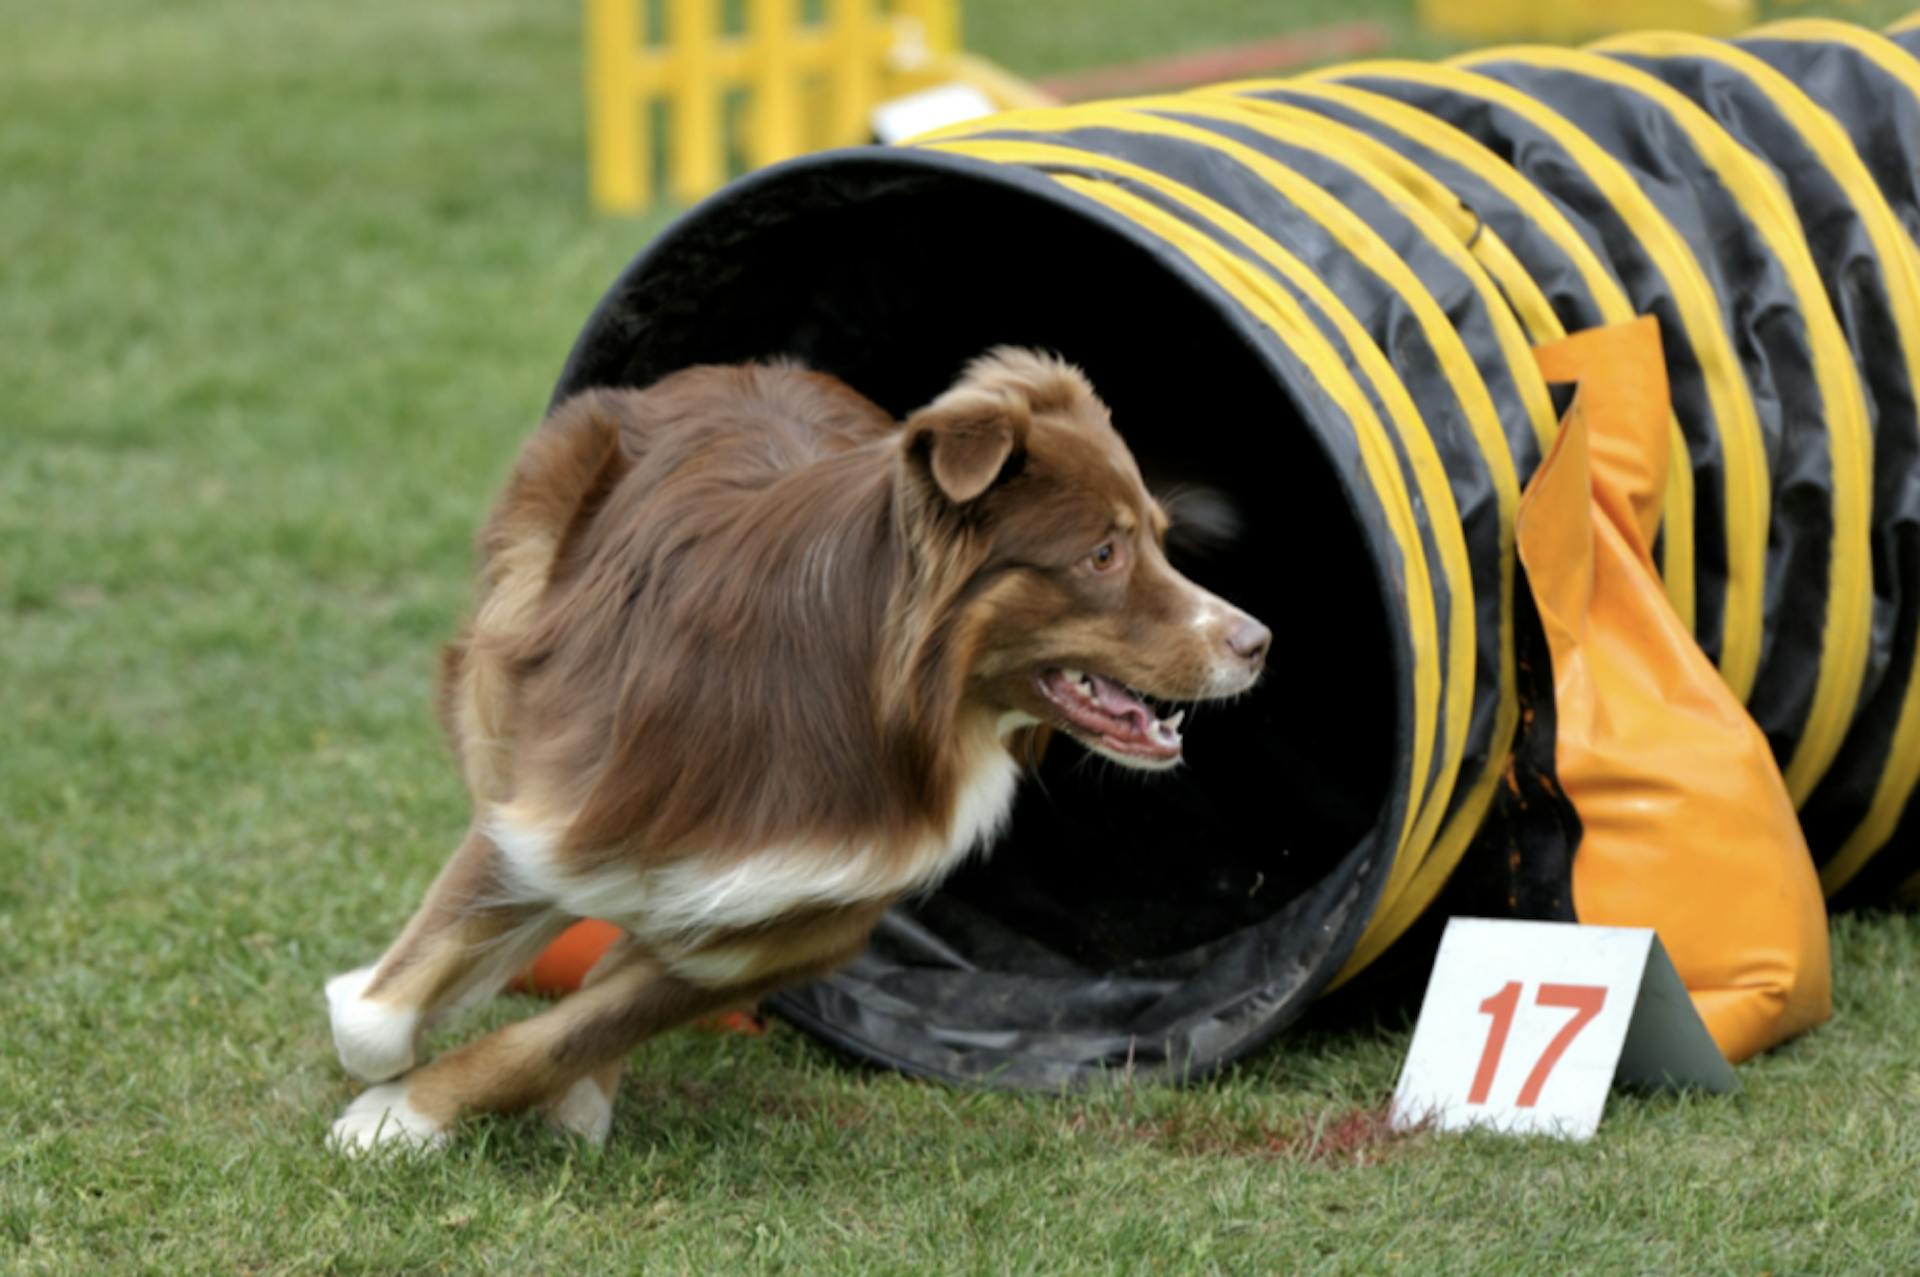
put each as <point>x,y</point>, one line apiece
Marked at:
<point>1500,1006</point>
<point>1584,1000</point>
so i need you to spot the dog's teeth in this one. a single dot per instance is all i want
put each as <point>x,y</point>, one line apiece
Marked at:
<point>1074,677</point>
<point>1168,729</point>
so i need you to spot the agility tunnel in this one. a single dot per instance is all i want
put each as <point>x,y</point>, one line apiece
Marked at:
<point>1566,404</point>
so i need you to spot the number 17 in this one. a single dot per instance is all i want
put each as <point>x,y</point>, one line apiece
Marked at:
<point>1584,1000</point>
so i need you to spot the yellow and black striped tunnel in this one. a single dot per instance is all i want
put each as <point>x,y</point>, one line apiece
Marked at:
<point>1312,304</point>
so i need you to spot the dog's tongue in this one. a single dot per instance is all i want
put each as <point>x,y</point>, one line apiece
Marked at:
<point>1108,709</point>
<point>1122,704</point>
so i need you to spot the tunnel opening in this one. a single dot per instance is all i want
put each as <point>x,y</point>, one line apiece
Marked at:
<point>1116,906</point>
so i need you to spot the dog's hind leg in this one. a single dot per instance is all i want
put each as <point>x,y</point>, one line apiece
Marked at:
<point>467,939</point>
<point>586,1107</point>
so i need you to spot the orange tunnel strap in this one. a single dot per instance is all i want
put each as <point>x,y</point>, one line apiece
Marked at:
<point>1687,824</point>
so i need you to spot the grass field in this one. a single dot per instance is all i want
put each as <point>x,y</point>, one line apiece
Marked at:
<point>281,287</point>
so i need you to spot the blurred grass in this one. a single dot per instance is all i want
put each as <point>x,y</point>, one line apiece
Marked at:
<point>281,288</point>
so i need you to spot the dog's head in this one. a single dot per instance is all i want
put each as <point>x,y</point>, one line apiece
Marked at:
<point>1069,613</point>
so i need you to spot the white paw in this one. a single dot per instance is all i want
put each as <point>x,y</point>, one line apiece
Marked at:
<point>381,1118</point>
<point>375,1042</point>
<point>585,1110</point>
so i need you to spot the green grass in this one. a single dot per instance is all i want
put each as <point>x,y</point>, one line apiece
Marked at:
<point>281,287</point>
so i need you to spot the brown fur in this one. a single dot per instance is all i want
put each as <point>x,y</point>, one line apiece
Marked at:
<point>743,609</point>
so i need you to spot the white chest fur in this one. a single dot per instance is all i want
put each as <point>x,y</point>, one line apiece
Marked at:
<point>677,904</point>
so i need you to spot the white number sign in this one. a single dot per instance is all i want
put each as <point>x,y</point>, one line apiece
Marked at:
<point>1526,1026</point>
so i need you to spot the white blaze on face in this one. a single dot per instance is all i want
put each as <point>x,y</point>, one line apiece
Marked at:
<point>1212,618</point>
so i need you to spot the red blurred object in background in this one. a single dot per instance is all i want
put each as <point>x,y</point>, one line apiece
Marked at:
<point>565,963</point>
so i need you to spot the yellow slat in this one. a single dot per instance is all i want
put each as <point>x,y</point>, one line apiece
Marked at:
<point>774,132</point>
<point>855,76</point>
<point>694,160</point>
<point>939,22</point>
<point>735,59</point>
<point>619,162</point>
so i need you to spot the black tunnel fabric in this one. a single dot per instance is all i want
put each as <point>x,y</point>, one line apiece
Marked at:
<point>1317,298</point>
<point>1661,277</point>
<point>1874,291</point>
<point>1806,392</point>
<point>1870,86</point>
<point>1547,273</point>
<point>1868,83</point>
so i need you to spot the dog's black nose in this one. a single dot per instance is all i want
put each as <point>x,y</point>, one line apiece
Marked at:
<point>1250,640</point>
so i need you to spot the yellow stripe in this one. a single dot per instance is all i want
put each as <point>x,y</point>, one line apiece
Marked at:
<point>1521,295</point>
<point>1907,23</point>
<point>1518,293</point>
<point>1269,303</point>
<point>1735,421</point>
<point>1849,611</point>
<point>1405,899</point>
<point>1890,796</point>
<point>1521,315</point>
<point>1677,539</point>
<point>1876,48</point>
<point>1830,143</point>
<point>1026,119</point>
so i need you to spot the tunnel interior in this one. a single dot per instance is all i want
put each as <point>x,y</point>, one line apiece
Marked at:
<point>892,277</point>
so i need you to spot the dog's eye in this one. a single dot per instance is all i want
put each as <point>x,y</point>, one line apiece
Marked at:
<point>1106,558</point>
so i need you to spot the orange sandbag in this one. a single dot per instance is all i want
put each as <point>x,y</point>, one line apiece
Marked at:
<point>1688,827</point>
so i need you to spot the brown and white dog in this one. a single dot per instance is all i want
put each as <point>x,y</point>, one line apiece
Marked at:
<point>749,663</point>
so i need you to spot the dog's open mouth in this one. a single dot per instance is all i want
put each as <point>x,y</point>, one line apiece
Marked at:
<point>1114,716</point>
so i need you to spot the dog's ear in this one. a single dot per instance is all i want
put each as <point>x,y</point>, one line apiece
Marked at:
<point>967,439</point>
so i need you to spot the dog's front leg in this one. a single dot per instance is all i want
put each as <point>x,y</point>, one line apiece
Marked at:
<point>467,939</point>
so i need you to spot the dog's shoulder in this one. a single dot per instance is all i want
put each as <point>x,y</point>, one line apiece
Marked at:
<point>779,397</point>
<point>830,410</point>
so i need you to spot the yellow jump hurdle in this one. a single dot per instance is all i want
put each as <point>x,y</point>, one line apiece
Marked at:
<point>807,84</point>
